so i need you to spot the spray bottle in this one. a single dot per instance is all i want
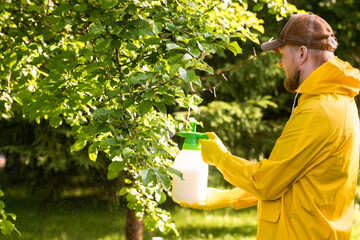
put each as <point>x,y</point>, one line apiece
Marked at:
<point>193,187</point>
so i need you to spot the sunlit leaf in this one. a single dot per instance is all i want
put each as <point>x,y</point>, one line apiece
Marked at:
<point>114,169</point>
<point>147,175</point>
<point>234,47</point>
<point>78,145</point>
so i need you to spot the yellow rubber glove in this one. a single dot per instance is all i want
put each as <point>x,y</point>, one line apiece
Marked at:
<point>216,199</point>
<point>213,151</point>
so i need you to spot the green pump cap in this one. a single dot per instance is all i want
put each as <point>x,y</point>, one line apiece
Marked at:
<point>191,138</point>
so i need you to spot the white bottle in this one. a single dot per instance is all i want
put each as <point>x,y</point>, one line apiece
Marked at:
<point>193,187</point>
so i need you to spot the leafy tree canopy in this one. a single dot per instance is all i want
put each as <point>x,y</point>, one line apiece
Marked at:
<point>114,70</point>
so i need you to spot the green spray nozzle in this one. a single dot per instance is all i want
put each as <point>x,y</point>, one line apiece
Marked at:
<point>191,138</point>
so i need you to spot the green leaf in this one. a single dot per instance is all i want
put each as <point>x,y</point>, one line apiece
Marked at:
<point>171,46</point>
<point>35,8</point>
<point>92,67</point>
<point>187,57</point>
<point>101,114</point>
<point>172,27</point>
<point>1,193</point>
<point>2,205</point>
<point>78,145</point>
<point>131,9</point>
<point>114,169</point>
<point>176,172</point>
<point>80,7</point>
<point>123,191</point>
<point>96,28</point>
<point>174,68</point>
<point>113,93</point>
<point>131,47</point>
<point>175,58</point>
<point>150,94</point>
<point>107,4</point>
<point>127,102</point>
<point>160,196</point>
<point>158,26</point>
<point>164,179</point>
<point>101,44</point>
<point>234,47</point>
<point>6,227</point>
<point>144,107</point>
<point>13,59</point>
<point>107,142</point>
<point>258,7</point>
<point>51,20</point>
<point>93,156</point>
<point>161,106</point>
<point>189,76</point>
<point>168,99</point>
<point>13,216</point>
<point>147,176</point>
<point>118,114</point>
<point>195,52</point>
<point>137,78</point>
<point>127,151</point>
<point>93,151</point>
<point>55,121</point>
<point>150,223</point>
<point>59,26</point>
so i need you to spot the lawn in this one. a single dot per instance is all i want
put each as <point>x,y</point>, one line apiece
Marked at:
<point>86,218</point>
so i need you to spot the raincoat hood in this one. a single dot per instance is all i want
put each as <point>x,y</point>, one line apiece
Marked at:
<point>334,76</point>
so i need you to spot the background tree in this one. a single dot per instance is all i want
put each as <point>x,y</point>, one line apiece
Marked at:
<point>251,98</point>
<point>111,72</point>
<point>250,106</point>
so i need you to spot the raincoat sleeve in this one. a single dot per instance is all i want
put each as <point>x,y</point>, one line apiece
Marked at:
<point>246,200</point>
<point>304,142</point>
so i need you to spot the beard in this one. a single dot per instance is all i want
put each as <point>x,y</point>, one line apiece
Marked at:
<point>292,81</point>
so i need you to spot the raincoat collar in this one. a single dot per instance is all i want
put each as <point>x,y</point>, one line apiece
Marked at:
<point>334,76</point>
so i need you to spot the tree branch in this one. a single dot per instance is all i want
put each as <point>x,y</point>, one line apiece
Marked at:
<point>9,89</point>
<point>231,69</point>
<point>212,7</point>
<point>213,88</point>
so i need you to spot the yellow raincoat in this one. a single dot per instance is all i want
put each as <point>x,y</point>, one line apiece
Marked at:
<point>307,186</point>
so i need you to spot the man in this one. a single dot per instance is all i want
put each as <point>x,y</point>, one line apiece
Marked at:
<point>306,189</point>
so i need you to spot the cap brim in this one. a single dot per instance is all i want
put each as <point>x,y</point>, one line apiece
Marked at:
<point>272,45</point>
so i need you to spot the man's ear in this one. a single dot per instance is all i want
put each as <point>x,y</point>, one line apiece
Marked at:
<point>302,54</point>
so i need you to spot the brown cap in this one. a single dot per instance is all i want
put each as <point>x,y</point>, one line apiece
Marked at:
<point>307,30</point>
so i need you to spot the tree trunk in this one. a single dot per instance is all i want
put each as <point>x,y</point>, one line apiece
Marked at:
<point>133,227</point>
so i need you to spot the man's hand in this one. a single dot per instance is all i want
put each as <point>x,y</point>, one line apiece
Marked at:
<point>214,199</point>
<point>213,151</point>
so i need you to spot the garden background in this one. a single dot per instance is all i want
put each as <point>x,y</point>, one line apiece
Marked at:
<point>92,94</point>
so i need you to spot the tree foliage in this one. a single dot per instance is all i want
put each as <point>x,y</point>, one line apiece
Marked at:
<point>6,224</point>
<point>114,70</point>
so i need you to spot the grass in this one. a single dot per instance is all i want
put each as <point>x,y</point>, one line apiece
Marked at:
<point>226,224</point>
<point>86,218</point>
<point>75,218</point>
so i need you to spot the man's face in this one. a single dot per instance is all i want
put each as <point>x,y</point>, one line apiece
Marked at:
<point>290,65</point>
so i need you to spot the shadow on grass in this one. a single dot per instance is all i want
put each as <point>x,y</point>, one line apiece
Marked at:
<point>218,232</point>
<point>73,218</point>
<point>221,224</point>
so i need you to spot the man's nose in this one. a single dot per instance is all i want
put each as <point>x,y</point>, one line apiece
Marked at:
<point>280,62</point>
